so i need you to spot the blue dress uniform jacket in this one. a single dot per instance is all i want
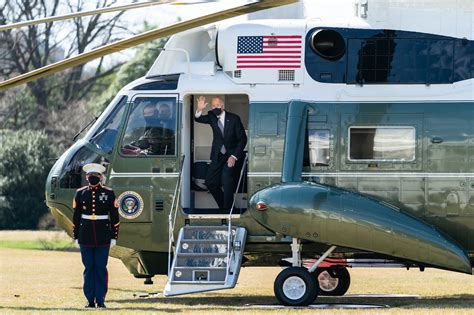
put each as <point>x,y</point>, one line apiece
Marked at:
<point>95,201</point>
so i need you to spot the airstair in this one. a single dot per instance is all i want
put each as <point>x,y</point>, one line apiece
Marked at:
<point>204,261</point>
<point>205,258</point>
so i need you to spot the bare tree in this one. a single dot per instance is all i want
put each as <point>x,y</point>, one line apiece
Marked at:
<point>26,49</point>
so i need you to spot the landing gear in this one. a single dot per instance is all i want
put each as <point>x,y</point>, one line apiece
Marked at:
<point>148,281</point>
<point>334,281</point>
<point>295,286</point>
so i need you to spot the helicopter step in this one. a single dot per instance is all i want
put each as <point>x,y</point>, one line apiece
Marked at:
<point>206,259</point>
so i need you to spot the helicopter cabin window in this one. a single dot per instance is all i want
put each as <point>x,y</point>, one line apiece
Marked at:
<point>317,149</point>
<point>104,138</point>
<point>151,127</point>
<point>388,143</point>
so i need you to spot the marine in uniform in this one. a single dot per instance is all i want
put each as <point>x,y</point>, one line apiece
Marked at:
<point>96,226</point>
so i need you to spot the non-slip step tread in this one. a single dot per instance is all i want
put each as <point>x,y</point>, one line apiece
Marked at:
<point>210,255</point>
<point>200,268</point>
<point>196,282</point>
<point>207,241</point>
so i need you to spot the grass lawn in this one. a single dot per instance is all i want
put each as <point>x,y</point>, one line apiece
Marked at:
<point>39,240</point>
<point>37,281</point>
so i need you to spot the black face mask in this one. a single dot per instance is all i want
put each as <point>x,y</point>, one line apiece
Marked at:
<point>164,118</point>
<point>93,180</point>
<point>217,111</point>
<point>151,121</point>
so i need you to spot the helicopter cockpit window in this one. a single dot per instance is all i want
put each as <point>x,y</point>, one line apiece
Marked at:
<point>106,135</point>
<point>382,143</point>
<point>72,175</point>
<point>151,127</point>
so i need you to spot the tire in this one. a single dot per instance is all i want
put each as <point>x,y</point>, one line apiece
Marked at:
<point>295,286</point>
<point>333,281</point>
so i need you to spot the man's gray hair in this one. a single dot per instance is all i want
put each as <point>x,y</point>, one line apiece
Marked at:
<point>220,98</point>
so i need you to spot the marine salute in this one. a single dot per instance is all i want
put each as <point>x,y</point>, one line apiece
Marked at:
<point>96,226</point>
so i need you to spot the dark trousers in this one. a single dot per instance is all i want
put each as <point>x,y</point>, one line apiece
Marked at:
<point>95,272</point>
<point>219,176</point>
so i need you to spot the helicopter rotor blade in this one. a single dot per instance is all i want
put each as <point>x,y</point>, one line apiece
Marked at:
<point>140,39</point>
<point>124,7</point>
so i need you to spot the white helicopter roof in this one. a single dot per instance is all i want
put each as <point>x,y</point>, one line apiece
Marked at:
<point>194,51</point>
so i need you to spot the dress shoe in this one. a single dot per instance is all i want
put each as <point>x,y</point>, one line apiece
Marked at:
<point>90,305</point>
<point>101,305</point>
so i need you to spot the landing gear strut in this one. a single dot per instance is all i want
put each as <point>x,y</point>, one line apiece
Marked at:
<point>296,286</point>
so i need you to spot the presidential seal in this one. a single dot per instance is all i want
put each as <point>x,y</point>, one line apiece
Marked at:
<point>130,205</point>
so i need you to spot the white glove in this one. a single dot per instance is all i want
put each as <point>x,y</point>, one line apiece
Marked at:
<point>76,241</point>
<point>113,242</point>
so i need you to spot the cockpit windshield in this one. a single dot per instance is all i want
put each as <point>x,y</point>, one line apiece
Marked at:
<point>104,137</point>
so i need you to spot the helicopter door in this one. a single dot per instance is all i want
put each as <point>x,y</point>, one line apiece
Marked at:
<point>145,168</point>
<point>196,199</point>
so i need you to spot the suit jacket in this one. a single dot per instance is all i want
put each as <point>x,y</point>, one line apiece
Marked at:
<point>234,138</point>
<point>99,200</point>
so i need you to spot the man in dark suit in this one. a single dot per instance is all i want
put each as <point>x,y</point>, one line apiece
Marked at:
<point>228,143</point>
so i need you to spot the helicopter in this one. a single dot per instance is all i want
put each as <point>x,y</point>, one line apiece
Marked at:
<point>359,148</point>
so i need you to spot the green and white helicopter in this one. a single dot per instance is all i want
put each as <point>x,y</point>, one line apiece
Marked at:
<point>360,146</point>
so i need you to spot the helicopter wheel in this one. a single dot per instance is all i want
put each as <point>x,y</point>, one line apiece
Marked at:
<point>295,286</point>
<point>332,281</point>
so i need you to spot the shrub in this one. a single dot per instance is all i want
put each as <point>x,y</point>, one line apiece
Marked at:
<point>25,160</point>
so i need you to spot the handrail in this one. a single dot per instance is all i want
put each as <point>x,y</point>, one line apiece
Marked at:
<point>171,217</point>
<point>229,228</point>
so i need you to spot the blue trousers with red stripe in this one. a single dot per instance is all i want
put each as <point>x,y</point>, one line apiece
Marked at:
<point>95,273</point>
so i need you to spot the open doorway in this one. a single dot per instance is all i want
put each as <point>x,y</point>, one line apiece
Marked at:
<point>197,143</point>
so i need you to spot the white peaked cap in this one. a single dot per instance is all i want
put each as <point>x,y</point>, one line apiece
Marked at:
<point>93,168</point>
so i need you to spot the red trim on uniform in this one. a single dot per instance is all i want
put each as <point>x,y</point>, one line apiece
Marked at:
<point>106,283</point>
<point>93,229</point>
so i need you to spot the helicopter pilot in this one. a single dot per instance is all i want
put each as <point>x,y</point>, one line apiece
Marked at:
<point>228,144</point>
<point>95,228</point>
<point>158,137</point>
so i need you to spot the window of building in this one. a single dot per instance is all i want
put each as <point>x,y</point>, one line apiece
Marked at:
<point>151,127</point>
<point>385,143</point>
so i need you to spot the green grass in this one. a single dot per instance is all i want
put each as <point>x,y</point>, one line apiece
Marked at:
<point>39,244</point>
<point>36,240</point>
<point>50,282</point>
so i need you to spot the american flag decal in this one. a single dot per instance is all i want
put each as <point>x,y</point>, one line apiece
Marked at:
<point>279,51</point>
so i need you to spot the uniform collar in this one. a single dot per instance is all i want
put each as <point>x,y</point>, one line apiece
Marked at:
<point>94,187</point>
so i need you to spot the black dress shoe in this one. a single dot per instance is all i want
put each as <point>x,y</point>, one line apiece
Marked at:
<point>102,305</point>
<point>90,305</point>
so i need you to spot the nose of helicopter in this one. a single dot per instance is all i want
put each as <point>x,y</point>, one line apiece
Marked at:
<point>57,200</point>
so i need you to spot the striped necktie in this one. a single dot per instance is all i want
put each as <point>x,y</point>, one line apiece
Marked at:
<point>221,127</point>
